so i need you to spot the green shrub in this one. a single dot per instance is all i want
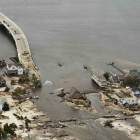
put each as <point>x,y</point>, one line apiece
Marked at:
<point>13,125</point>
<point>24,78</point>
<point>13,82</point>
<point>18,117</point>
<point>3,134</point>
<point>126,94</point>
<point>27,121</point>
<point>5,107</point>
<point>131,81</point>
<point>7,89</point>
<point>19,91</point>
<point>9,130</point>
<point>106,75</point>
<point>108,123</point>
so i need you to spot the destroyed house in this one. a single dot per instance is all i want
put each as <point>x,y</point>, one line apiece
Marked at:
<point>75,94</point>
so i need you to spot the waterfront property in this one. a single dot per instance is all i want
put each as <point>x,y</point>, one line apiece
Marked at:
<point>117,78</point>
<point>14,69</point>
<point>129,101</point>
<point>134,73</point>
<point>75,94</point>
<point>2,82</point>
<point>135,92</point>
<point>99,78</point>
<point>121,78</point>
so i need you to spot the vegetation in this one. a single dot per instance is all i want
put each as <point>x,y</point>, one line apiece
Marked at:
<point>24,78</point>
<point>8,129</point>
<point>131,81</point>
<point>7,89</point>
<point>18,117</point>
<point>19,91</point>
<point>34,82</point>
<point>5,107</point>
<point>16,59</point>
<point>106,75</point>
<point>125,93</point>
<point>2,117</point>
<point>79,102</point>
<point>118,95</point>
<point>114,100</point>
<point>61,94</point>
<point>3,134</point>
<point>27,121</point>
<point>108,123</point>
<point>13,125</point>
<point>13,82</point>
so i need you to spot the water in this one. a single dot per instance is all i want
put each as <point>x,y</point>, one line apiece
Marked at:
<point>73,33</point>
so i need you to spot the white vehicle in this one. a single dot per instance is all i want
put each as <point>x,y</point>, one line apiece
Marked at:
<point>11,28</point>
<point>36,97</point>
<point>18,38</point>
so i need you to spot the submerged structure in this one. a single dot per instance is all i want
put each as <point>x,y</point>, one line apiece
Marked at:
<point>98,78</point>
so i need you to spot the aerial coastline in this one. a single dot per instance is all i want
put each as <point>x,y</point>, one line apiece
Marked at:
<point>95,114</point>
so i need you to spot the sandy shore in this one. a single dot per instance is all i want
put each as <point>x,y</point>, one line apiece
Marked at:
<point>131,131</point>
<point>25,109</point>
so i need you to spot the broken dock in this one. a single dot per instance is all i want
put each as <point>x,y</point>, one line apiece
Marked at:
<point>116,67</point>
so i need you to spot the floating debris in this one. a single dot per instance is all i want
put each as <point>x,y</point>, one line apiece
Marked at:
<point>59,64</point>
<point>48,83</point>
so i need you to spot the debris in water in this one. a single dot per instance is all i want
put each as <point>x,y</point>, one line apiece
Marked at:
<point>85,67</point>
<point>59,64</point>
<point>48,83</point>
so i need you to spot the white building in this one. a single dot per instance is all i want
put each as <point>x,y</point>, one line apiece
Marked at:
<point>129,101</point>
<point>14,69</point>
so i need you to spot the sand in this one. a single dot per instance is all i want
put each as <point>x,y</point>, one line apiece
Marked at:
<point>27,109</point>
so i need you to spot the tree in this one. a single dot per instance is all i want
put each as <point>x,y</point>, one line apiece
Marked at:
<point>27,121</point>
<point>13,82</point>
<point>9,130</point>
<point>131,81</point>
<point>35,83</point>
<point>2,134</point>
<point>106,75</point>
<point>19,91</point>
<point>5,107</point>
<point>7,89</point>
<point>24,78</point>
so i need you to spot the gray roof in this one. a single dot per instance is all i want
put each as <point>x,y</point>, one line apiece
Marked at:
<point>134,89</point>
<point>74,93</point>
<point>133,70</point>
<point>115,78</point>
<point>121,76</point>
<point>10,65</point>
<point>10,71</point>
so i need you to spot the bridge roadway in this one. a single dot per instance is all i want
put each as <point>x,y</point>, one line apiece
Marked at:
<point>21,43</point>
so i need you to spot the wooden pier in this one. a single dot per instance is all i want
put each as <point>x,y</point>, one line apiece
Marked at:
<point>113,65</point>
